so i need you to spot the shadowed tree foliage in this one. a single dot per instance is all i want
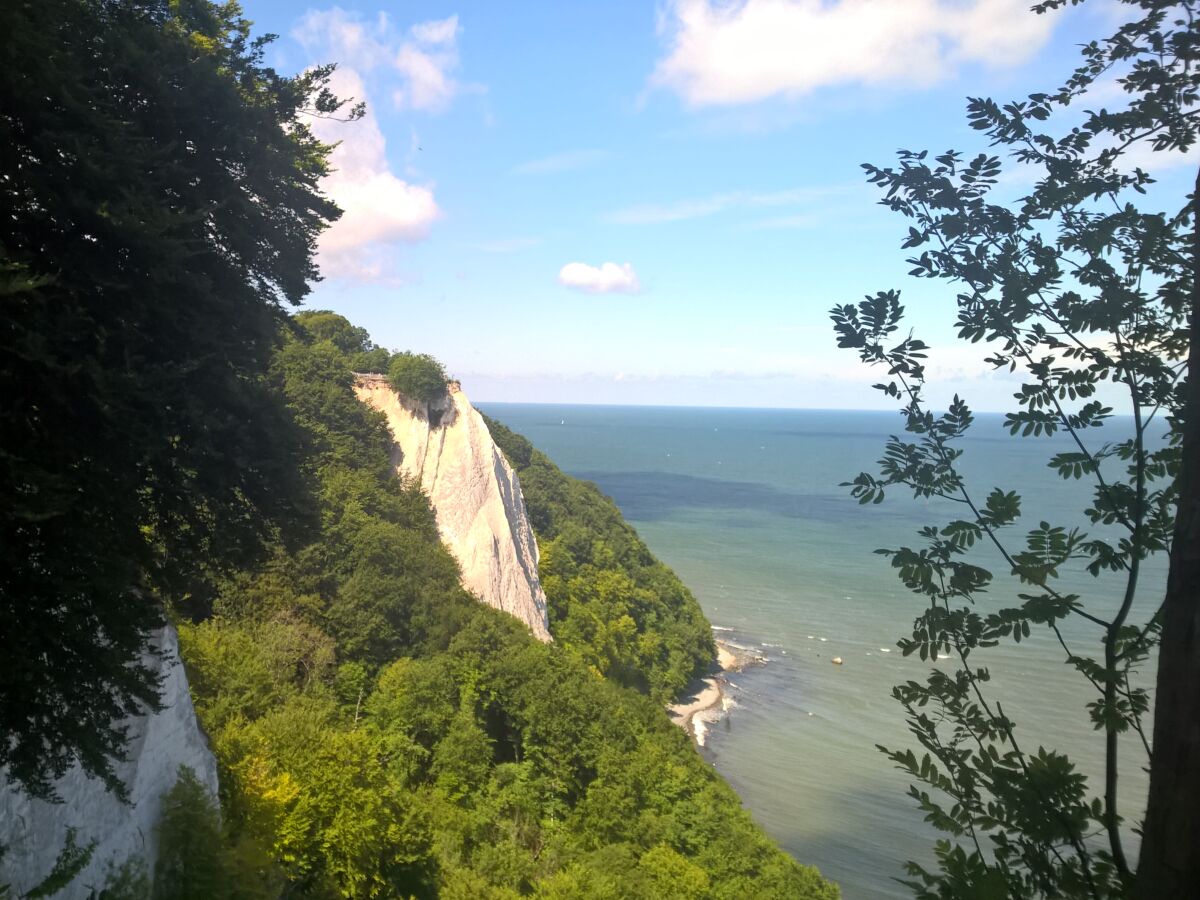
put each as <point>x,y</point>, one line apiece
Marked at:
<point>161,206</point>
<point>191,863</point>
<point>1092,298</point>
<point>70,862</point>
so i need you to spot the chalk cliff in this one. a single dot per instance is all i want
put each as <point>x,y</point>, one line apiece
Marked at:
<point>34,831</point>
<point>446,447</point>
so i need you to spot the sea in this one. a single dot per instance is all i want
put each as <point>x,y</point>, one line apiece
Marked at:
<point>745,505</point>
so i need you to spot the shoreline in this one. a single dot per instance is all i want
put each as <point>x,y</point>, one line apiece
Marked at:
<point>696,706</point>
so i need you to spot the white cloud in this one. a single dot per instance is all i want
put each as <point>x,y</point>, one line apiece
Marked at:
<point>560,162</point>
<point>776,223</point>
<point>425,57</point>
<point>510,245</point>
<point>437,31</point>
<point>426,61</point>
<point>724,53</point>
<point>1156,162</point>
<point>605,279</point>
<point>379,209</point>
<point>343,37</point>
<point>655,214</point>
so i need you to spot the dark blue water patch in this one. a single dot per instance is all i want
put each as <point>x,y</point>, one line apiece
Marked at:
<point>655,496</point>
<point>804,433</point>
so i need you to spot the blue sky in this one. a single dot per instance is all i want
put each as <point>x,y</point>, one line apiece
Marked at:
<point>627,203</point>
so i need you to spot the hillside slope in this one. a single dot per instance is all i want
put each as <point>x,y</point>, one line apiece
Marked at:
<point>610,601</point>
<point>380,733</point>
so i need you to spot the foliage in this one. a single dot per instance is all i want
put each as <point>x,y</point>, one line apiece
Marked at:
<point>417,376</point>
<point>610,601</point>
<point>70,862</point>
<point>1087,296</point>
<point>191,856</point>
<point>379,733</point>
<point>128,881</point>
<point>431,746</point>
<point>161,205</point>
<point>365,355</point>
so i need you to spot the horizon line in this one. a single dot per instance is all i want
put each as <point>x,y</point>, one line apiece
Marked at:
<point>976,412</point>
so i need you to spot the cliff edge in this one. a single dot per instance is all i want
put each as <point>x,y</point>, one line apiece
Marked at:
<point>446,447</point>
<point>34,831</point>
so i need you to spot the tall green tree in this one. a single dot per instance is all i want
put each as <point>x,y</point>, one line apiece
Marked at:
<point>1090,296</point>
<point>191,863</point>
<point>161,205</point>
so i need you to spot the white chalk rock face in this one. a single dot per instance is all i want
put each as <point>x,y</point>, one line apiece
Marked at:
<point>34,831</point>
<point>446,447</point>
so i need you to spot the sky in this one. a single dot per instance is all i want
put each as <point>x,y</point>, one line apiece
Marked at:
<point>625,202</point>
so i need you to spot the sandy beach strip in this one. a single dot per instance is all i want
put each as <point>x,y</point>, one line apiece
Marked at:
<point>707,693</point>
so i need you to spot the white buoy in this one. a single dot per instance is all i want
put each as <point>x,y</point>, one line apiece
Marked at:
<point>837,660</point>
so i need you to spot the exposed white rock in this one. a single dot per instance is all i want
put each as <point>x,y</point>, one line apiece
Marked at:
<point>446,447</point>
<point>34,831</point>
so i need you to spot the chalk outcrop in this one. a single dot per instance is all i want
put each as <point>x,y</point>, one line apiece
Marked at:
<point>446,447</point>
<point>34,831</point>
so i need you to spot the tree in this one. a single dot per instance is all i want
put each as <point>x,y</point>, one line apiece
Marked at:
<point>607,598</point>
<point>1089,297</point>
<point>418,376</point>
<point>161,201</point>
<point>71,860</point>
<point>323,325</point>
<point>191,863</point>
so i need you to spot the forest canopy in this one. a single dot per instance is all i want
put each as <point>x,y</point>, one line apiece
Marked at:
<point>609,600</point>
<point>380,732</point>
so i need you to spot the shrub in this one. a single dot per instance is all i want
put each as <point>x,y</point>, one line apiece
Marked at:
<point>418,376</point>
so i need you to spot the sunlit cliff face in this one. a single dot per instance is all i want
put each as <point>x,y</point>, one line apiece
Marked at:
<point>445,447</point>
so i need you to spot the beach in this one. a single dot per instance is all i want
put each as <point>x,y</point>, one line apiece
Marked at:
<point>706,698</point>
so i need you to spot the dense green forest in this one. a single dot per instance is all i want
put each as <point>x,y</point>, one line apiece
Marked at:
<point>609,600</point>
<point>381,733</point>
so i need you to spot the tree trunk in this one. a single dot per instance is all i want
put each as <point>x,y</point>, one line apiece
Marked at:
<point>1169,865</point>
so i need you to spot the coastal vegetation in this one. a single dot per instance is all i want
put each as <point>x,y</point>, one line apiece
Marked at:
<point>1090,293</point>
<point>610,602</point>
<point>176,448</point>
<point>380,732</point>
<point>417,375</point>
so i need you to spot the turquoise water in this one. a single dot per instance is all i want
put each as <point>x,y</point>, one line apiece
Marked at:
<point>745,506</point>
